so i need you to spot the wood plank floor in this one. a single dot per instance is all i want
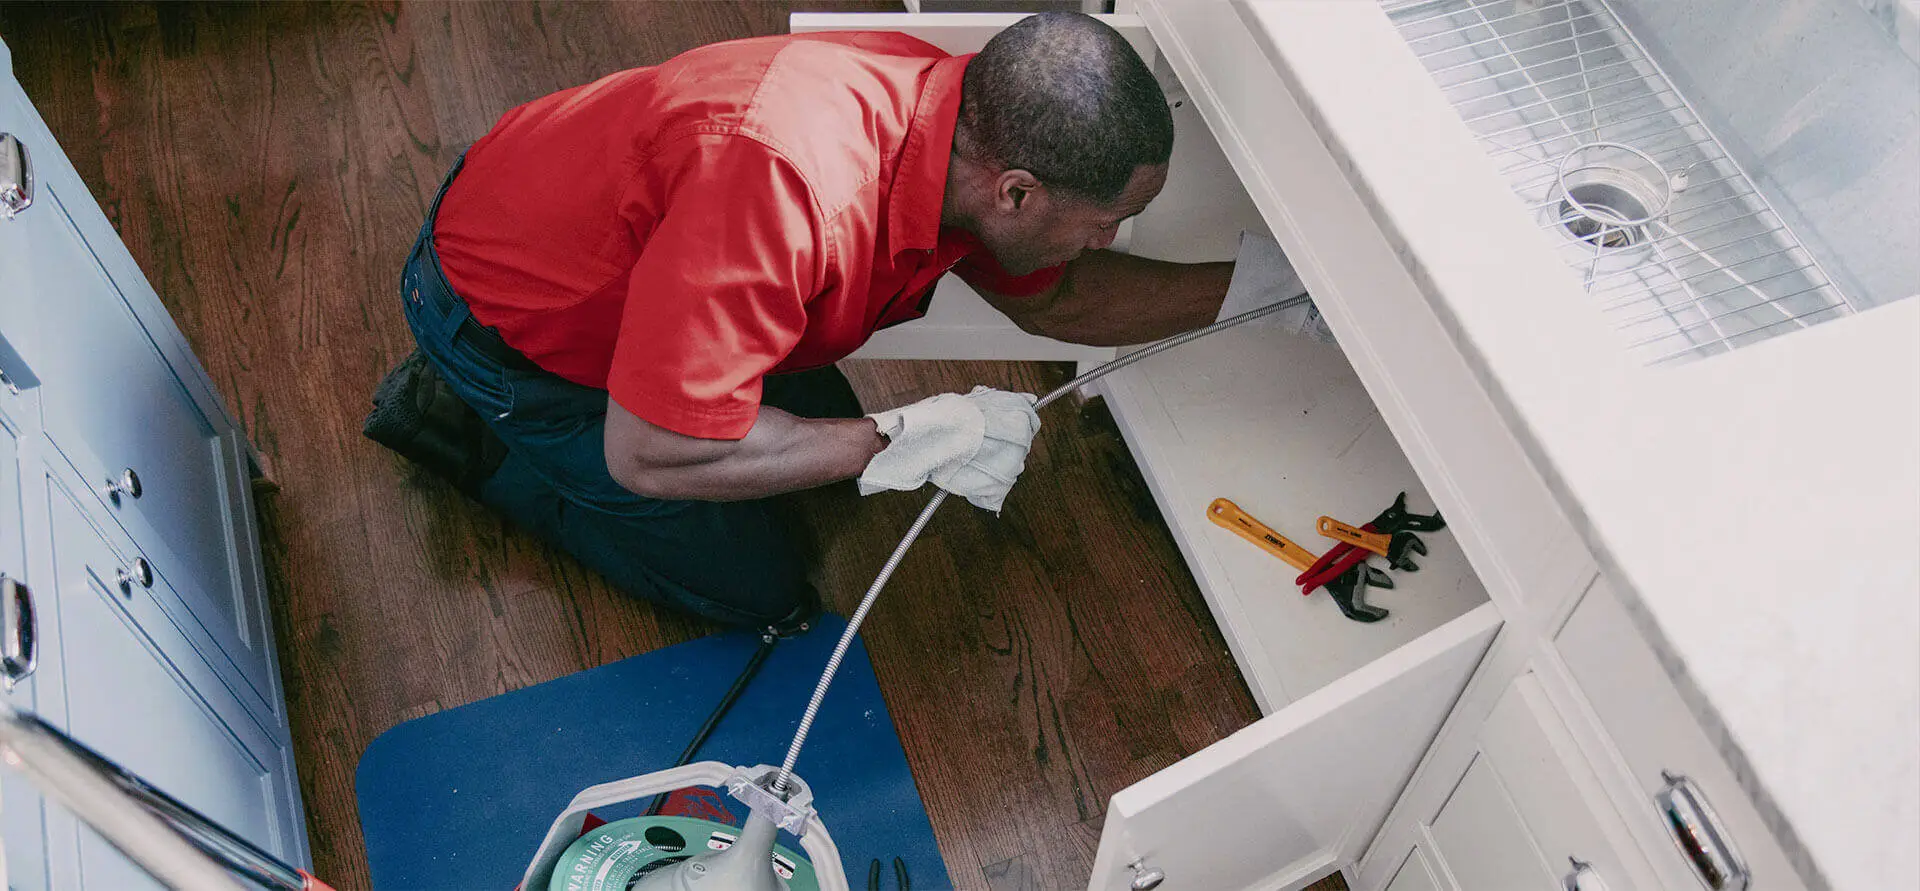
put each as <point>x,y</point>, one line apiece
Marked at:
<point>268,166</point>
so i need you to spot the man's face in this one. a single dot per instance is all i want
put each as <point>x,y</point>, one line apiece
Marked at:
<point>1035,227</point>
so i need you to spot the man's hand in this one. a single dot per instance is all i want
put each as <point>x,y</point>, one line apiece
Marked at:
<point>1262,276</point>
<point>974,446</point>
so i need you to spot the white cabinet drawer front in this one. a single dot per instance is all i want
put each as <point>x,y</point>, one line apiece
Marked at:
<point>1655,734</point>
<point>111,405</point>
<point>141,695</point>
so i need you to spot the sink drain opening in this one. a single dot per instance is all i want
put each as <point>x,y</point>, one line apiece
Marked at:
<point>1604,215</point>
<point>1610,194</point>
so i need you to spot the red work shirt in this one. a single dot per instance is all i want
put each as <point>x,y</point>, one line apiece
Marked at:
<point>672,234</point>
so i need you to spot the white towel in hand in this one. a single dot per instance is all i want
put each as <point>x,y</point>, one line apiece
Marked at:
<point>1262,276</point>
<point>974,446</point>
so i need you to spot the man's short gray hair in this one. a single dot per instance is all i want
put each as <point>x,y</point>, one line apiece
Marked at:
<point>1065,97</point>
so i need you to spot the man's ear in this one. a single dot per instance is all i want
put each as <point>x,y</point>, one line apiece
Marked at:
<point>1012,189</point>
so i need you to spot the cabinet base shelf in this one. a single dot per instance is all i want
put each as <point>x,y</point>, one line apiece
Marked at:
<point>1282,426</point>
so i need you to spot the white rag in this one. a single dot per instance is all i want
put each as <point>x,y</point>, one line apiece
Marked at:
<point>1262,276</point>
<point>974,446</point>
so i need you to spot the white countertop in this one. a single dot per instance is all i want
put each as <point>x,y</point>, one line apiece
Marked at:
<point>1760,510</point>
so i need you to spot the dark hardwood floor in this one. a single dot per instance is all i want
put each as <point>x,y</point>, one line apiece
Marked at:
<point>268,165</point>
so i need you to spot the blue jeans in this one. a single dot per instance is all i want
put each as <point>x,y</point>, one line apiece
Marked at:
<point>728,561</point>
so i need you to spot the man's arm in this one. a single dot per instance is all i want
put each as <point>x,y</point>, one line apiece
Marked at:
<point>1112,299</point>
<point>780,453</point>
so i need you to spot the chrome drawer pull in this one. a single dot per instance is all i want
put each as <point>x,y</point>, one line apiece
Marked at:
<point>140,574</point>
<point>1582,878</point>
<point>1697,830</point>
<point>1145,878</point>
<point>127,484</point>
<point>16,177</point>
<point>19,629</point>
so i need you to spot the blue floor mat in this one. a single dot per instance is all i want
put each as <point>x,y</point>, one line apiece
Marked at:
<point>459,800</point>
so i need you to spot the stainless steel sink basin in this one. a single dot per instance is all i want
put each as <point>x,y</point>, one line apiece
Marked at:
<point>1690,229</point>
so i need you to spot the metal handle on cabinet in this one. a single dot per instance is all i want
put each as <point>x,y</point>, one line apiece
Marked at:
<point>127,483</point>
<point>16,176</point>
<point>1145,878</point>
<point>141,573</point>
<point>1582,878</point>
<point>1700,835</point>
<point>19,628</point>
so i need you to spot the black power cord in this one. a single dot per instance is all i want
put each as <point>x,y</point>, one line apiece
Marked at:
<point>767,642</point>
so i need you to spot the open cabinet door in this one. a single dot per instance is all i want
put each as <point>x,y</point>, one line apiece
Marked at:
<point>1299,793</point>
<point>960,324</point>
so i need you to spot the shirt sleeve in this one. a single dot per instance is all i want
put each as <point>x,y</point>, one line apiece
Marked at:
<point>718,296</point>
<point>980,270</point>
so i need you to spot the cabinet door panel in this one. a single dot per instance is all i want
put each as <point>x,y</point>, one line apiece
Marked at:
<point>1481,835</point>
<point>110,404</point>
<point>1528,805</point>
<point>1415,875</point>
<point>140,694</point>
<point>1296,794</point>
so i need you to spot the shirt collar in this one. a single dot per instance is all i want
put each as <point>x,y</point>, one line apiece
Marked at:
<point>920,180</point>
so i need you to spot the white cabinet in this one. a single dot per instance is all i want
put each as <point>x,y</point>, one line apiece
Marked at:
<point>1378,753</point>
<point>148,610</point>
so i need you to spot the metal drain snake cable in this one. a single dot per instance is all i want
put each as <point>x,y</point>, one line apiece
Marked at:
<point>940,497</point>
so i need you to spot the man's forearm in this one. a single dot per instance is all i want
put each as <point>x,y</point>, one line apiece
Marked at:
<point>781,453</point>
<point>1113,299</point>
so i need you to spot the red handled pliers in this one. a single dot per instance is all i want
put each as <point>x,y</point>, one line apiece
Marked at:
<point>1332,568</point>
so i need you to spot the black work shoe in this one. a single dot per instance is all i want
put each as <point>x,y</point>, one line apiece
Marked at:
<point>417,414</point>
<point>800,619</point>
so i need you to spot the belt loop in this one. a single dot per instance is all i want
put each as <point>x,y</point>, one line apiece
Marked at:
<point>454,314</point>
